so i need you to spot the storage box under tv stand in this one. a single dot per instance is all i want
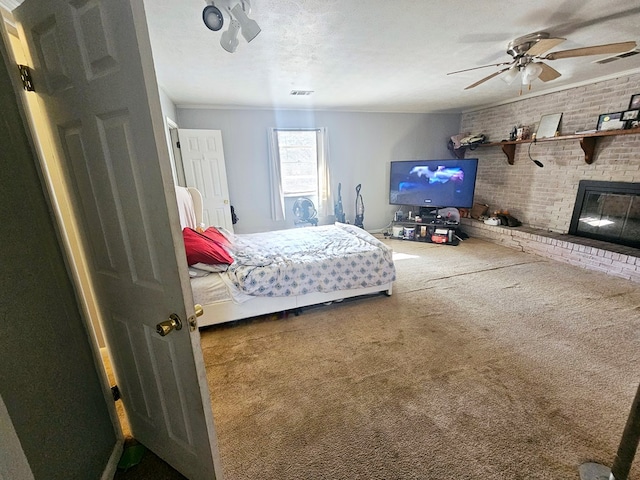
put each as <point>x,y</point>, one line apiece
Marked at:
<point>425,231</point>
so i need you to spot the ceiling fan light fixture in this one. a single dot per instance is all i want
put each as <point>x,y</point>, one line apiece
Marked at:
<point>511,75</point>
<point>531,72</point>
<point>212,17</point>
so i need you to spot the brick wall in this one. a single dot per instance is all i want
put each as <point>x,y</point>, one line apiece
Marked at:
<point>544,197</point>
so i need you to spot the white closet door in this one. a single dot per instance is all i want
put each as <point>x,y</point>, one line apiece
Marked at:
<point>204,168</point>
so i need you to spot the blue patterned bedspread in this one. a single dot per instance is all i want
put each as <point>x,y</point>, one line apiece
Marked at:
<point>311,259</point>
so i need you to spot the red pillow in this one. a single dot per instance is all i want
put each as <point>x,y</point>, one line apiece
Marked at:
<point>203,249</point>
<point>215,235</point>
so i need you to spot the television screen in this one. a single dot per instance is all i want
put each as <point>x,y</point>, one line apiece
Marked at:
<point>433,183</point>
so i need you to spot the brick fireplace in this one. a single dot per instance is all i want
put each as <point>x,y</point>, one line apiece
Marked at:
<point>543,199</point>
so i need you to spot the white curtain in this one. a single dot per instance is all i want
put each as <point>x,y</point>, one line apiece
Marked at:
<point>325,205</point>
<point>277,195</point>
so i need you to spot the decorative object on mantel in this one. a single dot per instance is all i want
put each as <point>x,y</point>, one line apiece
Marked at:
<point>588,142</point>
<point>634,104</point>
<point>454,146</point>
<point>549,126</point>
<point>472,141</point>
<point>630,117</point>
<point>523,132</point>
<point>610,121</point>
<point>513,134</point>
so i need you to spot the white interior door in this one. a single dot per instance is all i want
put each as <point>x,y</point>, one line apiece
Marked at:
<point>94,75</point>
<point>204,168</point>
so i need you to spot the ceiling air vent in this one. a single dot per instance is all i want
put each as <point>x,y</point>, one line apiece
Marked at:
<point>618,57</point>
<point>301,93</point>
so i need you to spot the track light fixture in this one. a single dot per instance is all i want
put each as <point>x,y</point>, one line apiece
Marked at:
<point>213,17</point>
<point>229,39</point>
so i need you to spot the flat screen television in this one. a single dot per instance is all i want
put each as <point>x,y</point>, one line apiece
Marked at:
<point>433,183</point>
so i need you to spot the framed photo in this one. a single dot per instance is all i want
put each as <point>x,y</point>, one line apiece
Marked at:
<point>634,104</point>
<point>549,125</point>
<point>611,121</point>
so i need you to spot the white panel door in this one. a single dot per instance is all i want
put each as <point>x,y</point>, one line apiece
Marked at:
<point>204,168</point>
<point>94,76</point>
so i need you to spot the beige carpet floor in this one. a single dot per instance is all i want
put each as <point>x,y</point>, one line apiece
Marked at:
<point>485,363</point>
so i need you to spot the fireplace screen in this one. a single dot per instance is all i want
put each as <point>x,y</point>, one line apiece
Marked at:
<point>608,211</point>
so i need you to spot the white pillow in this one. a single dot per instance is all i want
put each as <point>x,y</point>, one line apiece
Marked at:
<point>222,267</point>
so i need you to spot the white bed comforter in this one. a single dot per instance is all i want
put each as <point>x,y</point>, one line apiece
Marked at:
<point>305,260</point>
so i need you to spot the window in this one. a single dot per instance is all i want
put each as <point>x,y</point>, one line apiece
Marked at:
<point>298,154</point>
<point>299,168</point>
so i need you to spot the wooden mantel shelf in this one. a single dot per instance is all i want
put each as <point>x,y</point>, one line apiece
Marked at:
<point>588,142</point>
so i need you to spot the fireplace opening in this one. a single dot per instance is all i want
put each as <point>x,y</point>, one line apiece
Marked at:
<point>608,211</point>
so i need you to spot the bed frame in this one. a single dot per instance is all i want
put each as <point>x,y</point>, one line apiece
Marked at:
<point>228,311</point>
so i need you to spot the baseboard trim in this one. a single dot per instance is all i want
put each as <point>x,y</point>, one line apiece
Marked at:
<point>114,459</point>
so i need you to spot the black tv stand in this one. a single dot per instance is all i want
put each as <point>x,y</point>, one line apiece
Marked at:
<point>436,231</point>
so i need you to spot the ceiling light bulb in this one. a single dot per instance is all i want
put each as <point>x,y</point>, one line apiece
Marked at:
<point>212,17</point>
<point>229,39</point>
<point>530,73</point>
<point>511,75</point>
<point>250,28</point>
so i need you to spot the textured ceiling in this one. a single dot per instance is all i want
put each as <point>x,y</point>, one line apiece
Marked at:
<point>374,55</point>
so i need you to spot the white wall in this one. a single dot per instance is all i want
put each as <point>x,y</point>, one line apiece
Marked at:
<point>361,145</point>
<point>544,197</point>
<point>168,107</point>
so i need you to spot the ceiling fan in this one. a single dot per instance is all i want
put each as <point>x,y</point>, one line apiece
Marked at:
<point>528,59</point>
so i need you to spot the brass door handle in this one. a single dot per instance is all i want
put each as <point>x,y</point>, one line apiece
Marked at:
<point>193,323</point>
<point>174,323</point>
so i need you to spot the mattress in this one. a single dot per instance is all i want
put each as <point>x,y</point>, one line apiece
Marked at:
<point>298,261</point>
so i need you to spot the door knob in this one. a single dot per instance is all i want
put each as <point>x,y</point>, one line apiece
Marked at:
<point>174,323</point>
<point>193,323</point>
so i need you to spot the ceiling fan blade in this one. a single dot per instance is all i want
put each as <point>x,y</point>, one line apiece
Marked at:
<point>483,66</point>
<point>489,77</point>
<point>544,45</point>
<point>596,50</point>
<point>548,73</point>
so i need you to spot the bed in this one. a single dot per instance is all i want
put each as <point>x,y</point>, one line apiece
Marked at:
<point>282,270</point>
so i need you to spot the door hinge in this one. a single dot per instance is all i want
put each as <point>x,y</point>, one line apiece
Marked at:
<point>25,76</point>
<point>178,144</point>
<point>115,391</point>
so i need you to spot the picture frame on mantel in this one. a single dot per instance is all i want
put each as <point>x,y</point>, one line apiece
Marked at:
<point>549,126</point>
<point>634,103</point>
<point>631,117</point>
<point>610,121</point>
